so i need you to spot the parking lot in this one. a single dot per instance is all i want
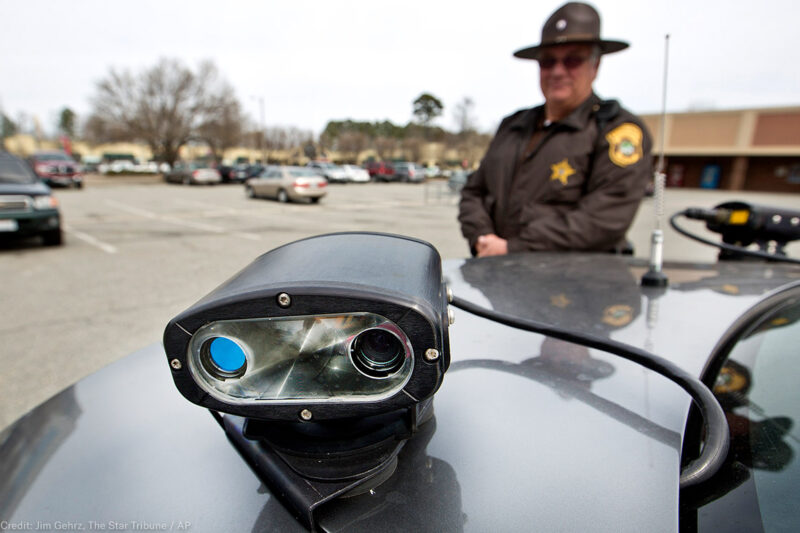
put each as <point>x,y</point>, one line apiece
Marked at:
<point>138,251</point>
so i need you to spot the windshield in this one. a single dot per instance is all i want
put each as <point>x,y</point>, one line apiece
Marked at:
<point>53,157</point>
<point>15,171</point>
<point>757,387</point>
<point>302,173</point>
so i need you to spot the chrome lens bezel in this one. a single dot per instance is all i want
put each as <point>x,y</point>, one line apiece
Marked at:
<point>372,371</point>
<point>262,361</point>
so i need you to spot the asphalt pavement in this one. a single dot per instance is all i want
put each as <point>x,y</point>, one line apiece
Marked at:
<point>139,251</point>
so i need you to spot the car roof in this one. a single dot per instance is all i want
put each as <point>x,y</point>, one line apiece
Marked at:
<point>49,152</point>
<point>522,440</point>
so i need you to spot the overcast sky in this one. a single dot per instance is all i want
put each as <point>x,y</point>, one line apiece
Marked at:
<point>313,61</point>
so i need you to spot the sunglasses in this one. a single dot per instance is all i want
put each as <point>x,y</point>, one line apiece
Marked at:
<point>569,62</point>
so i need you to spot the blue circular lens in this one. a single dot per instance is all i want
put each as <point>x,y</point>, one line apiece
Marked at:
<point>226,354</point>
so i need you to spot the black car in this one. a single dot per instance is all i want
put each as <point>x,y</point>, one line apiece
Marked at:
<point>27,208</point>
<point>320,410</point>
<point>252,171</point>
<point>226,172</point>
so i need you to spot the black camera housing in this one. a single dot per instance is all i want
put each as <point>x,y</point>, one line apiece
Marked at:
<point>397,277</point>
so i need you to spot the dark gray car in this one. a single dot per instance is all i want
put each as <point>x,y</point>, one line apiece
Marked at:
<point>409,172</point>
<point>528,433</point>
<point>194,173</point>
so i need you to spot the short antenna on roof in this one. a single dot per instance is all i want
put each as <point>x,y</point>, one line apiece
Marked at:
<point>654,277</point>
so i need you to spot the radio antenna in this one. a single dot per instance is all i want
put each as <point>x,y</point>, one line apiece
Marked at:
<point>654,277</point>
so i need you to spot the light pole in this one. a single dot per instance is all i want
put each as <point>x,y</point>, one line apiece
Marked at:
<point>262,139</point>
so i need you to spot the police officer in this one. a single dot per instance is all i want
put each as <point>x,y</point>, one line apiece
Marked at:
<point>566,175</point>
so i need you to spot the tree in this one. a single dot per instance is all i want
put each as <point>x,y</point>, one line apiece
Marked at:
<point>97,130</point>
<point>463,115</point>
<point>352,143</point>
<point>412,148</point>
<point>223,126</point>
<point>66,122</point>
<point>166,106</point>
<point>427,107</point>
<point>279,138</point>
<point>24,123</point>
<point>310,150</point>
<point>385,146</point>
<point>7,129</point>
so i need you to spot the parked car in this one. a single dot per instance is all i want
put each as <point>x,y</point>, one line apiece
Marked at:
<point>193,174</point>
<point>356,174</point>
<point>333,173</point>
<point>121,166</point>
<point>380,170</point>
<point>226,173</point>
<point>91,163</point>
<point>255,170</point>
<point>409,172</point>
<point>235,173</point>
<point>457,180</point>
<point>287,184</point>
<point>57,169</point>
<point>27,207</point>
<point>433,171</point>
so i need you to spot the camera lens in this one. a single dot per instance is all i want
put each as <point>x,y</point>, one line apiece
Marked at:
<point>223,358</point>
<point>378,352</point>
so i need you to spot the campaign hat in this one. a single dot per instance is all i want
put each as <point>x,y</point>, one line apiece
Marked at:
<point>572,23</point>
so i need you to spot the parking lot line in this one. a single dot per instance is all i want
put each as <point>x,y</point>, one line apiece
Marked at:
<point>179,222</point>
<point>205,205</point>
<point>107,248</point>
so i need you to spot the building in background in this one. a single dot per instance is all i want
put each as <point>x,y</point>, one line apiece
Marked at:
<point>748,149</point>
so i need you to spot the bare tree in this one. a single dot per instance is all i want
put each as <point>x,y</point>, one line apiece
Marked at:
<point>412,148</point>
<point>222,128</point>
<point>96,130</point>
<point>463,115</point>
<point>7,129</point>
<point>299,137</point>
<point>385,146</point>
<point>276,138</point>
<point>25,123</point>
<point>352,143</point>
<point>280,138</point>
<point>166,105</point>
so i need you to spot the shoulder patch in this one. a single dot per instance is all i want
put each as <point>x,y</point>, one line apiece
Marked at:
<point>625,144</point>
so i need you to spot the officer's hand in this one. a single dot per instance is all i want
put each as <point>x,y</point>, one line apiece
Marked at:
<point>491,244</point>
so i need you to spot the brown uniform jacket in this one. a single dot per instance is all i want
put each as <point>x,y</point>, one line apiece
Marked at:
<point>578,189</point>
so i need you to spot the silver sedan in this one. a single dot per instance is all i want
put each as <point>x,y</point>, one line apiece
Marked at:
<point>287,184</point>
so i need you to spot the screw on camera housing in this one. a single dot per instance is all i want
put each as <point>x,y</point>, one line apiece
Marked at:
<point>284,300</point>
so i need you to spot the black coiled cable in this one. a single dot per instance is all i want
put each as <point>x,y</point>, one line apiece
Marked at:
<point>729,247</point>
